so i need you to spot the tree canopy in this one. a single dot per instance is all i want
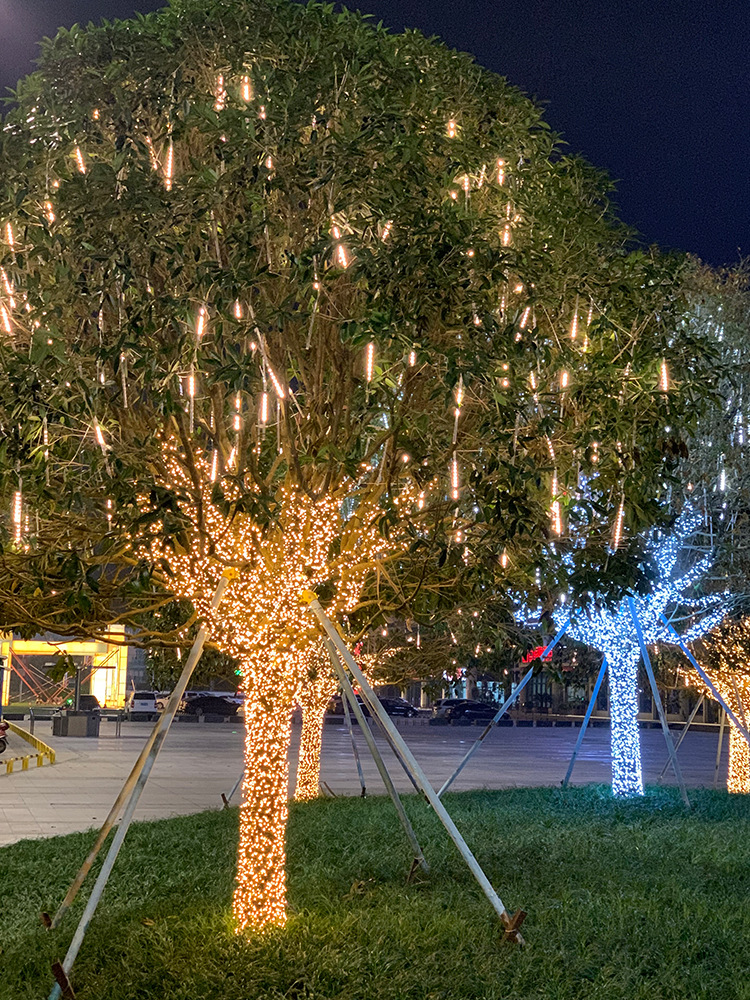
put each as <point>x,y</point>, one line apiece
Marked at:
<point>284,248</point>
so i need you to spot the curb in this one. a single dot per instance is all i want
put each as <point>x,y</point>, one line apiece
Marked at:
<point>43,752</point>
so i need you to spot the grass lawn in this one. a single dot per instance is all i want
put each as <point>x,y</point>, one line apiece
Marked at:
<point>625,900</point>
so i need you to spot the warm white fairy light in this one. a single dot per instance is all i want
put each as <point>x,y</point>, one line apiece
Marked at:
<point>340,249</point>
<point>154,160</point>
<point>501,172</point>
<point>455,483</point>
<point>214,466</point>
<point>200,323</point>
<point>664,376</point>
<point>555,512</point>
<point>457,410</point>
<point>109,512</point>
<point>18,515</point>
<point>9,237</point>
<point>504,559</point>
<point>386,230</point>
<point>525,317</point>
<point>237,309</point>
<point>49,212</point>
<point>618,525</point>
<point>452,129</point>
<point>246,89</point>
<point>262,112</point>
<point>99,435</point>
<point>370,361</point>
<point>95,114</point>
<point>264,624</point>
<point>191,385</point>
<point>278,387</point>
<point>269,162</point>
<point>220,94</point>
<point>237,412</point>
<point>80,163</point>
<point>263,410</point>
<point>169,167</point>
<point>564,379</point>
<point>412,358</point>
<point>574,324</point>
<point>5,319</point>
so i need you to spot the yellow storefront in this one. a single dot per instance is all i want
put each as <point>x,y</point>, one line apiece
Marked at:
<point>103,668</point>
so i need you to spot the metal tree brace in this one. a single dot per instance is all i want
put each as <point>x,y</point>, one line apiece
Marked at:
<point>511,922</point>
<point>134,785</point>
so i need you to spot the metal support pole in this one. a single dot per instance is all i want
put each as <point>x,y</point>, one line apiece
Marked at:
<point>62,970</point>
<point>500,712</point>
<point>77,690</point>
<point>683,734</point>
<point>31,717</point>
<point>584,724</point>
<point>707,680</point>
<point>355,751</point>
<point>722,723</point>
<point>397,755</point>
<point>226,799</point>
<point>511,923</point>
<point>348,692</point>
<point>659,707</point>
<point>109,822</point>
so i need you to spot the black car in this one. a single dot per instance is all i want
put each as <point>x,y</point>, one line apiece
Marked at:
<point>210,705</point>
<point>467,711</point>
<point>399,706</point>
<point>443,706</point>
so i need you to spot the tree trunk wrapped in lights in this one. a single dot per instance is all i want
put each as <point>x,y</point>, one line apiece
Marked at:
<point>264,310</point>
<point>614,632</point>
<point>314,698</point>
<point>725,656</point>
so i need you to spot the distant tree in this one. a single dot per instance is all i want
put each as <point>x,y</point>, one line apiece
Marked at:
<point>725,656</point>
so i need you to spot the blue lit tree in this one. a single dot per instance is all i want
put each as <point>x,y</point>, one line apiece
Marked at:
<point>613,631</point>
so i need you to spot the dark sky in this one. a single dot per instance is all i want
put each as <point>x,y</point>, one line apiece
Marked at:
<point>657,92</point>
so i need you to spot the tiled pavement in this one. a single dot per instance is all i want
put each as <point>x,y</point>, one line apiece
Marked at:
<point>199,762</point>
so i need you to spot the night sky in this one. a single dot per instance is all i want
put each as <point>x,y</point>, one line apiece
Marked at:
<point>657,93</point>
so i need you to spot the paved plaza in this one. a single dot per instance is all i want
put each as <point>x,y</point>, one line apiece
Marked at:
<point>199,762</point>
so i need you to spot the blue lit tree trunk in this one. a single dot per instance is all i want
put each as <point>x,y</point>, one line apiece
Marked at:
<point>627,775</point>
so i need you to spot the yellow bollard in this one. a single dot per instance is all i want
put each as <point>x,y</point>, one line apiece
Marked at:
<point>25,763</point>
<point>9,767</point>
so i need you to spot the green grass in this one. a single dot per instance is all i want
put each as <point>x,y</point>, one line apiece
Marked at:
<point>625,900</point>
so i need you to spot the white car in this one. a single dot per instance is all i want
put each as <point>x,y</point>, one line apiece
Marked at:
<point>141,706</point>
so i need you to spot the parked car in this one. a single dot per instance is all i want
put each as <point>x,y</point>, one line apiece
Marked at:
<point>210,705</point>
<point>443,705</point>
<point>399,706</point>
<point>472,711</point>
<point>141,706</point>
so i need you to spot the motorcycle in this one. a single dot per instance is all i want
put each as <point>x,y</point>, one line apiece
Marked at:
<point>3,735</point>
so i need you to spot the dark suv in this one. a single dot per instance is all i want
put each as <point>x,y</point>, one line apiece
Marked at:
<point>398,706</point>
<point>467,711</point>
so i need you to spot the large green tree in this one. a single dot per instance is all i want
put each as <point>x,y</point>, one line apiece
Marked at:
<point>286,293</point>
